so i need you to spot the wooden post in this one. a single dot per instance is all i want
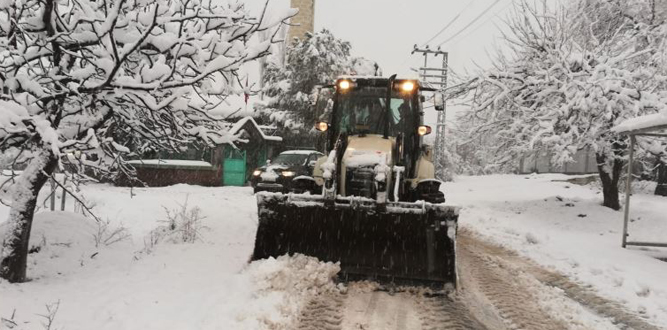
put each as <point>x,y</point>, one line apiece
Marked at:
<point>628,191</point>
<point>53,194</point>
<point>64,195</point>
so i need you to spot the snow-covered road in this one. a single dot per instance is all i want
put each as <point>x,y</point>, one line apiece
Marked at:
<point>498,290</point>
<point>527,260</point>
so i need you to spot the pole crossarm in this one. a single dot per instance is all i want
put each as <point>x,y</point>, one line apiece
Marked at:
<point>437,77</point>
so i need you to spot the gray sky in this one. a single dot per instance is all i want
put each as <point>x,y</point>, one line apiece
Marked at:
<point>386,30</point>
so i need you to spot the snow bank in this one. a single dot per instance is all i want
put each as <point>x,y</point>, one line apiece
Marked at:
<point>564,226</point>
<point>205,285</point>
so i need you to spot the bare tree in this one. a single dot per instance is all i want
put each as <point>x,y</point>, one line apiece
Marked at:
<point>75,73</point>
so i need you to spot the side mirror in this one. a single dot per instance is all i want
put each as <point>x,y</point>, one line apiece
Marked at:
<point>268,162</point>
<point>312,163</point>
<point>438,102</point>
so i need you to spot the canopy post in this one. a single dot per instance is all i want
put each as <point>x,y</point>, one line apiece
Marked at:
<point>628,190</point>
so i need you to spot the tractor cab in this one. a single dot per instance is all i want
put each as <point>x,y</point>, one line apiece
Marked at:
<point>381,114</point>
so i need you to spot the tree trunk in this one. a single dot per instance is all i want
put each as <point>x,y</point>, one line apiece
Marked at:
<point>610,180</point>
<point>16,242</point>
<point>661,171</point>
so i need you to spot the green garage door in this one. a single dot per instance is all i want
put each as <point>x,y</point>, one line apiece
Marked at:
<point>234,167</point>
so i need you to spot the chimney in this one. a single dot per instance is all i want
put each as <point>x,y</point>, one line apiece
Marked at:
<point>304,21</point>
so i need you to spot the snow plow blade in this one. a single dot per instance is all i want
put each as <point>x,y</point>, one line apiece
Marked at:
<point>402,243</point>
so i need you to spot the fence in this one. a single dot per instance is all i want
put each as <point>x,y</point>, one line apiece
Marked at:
<point>59,191</point>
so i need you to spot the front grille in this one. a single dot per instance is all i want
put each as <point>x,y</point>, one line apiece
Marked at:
<point>360,181</point>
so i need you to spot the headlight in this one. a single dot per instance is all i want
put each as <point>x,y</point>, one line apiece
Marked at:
<point>288,173</point>
<point>408,86</point>
<point>344,84</point>
<point>257,173</point>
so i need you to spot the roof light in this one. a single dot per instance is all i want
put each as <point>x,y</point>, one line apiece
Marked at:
<point>424,130</point>
<point>344,84</point>
<point>408,86</point>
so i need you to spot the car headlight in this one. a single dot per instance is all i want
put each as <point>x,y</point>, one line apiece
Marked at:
<point>288,173</point>
<point>257,173</point>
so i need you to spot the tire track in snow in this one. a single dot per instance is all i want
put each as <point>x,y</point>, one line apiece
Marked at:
<point>404,309</point>
<point>505,261</point>
<point>322,312</point>
<point>517,308</point>
<point>441,312</point>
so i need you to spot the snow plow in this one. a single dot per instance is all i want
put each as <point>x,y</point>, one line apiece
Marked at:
<point>380,212</point>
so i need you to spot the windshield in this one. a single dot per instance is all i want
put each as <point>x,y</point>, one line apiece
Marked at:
<point>290,159</point>
<point>363,111</point>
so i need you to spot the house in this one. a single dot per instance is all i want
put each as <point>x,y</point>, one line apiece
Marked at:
<point>224,164</point>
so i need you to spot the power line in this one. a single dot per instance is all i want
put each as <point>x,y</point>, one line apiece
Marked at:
<point>449,24</point>
<point>471,23</point>
<point>457,40</point>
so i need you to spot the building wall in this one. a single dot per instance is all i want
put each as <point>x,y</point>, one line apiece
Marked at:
<point>304,21</point>
<point>540,162</point>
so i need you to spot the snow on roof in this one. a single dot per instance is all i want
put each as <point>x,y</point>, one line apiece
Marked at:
<point>170,162</point>
<point>299,152</point>
<point>236,128</point>
<point>658,121</point>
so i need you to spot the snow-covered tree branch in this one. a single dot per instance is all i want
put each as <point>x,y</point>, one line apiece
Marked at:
<point>289,87</point>
<point>84,82</point>
<point>570,76</point>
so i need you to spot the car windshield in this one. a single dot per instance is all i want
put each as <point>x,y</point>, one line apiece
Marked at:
<point>290,159</point>
<point>363,111</point>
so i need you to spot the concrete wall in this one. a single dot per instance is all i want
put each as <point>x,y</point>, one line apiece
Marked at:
<point>540,162</point>
<point>304,21</point>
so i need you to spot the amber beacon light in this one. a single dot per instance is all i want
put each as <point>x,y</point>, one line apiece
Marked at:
<point>424,130</point>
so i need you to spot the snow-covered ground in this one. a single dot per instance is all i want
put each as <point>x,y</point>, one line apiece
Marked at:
<point>563,226</point>
<point>206,285</point>
<point>133,284</point>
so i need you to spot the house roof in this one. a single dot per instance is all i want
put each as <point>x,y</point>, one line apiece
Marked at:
<point>239,125</point>
<point>643,124</point>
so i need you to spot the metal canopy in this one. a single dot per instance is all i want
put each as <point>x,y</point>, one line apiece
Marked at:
<point>654,131</point>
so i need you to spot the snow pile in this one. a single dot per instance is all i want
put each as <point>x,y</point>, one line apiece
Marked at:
<point>297,274</point>
<point>286,283</point>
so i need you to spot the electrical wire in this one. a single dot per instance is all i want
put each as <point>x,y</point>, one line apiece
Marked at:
<point>449,23</point>
<point>471,23</point>
<point>457,40</point>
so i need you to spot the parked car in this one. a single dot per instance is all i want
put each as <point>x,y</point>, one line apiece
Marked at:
<point>291,171</point>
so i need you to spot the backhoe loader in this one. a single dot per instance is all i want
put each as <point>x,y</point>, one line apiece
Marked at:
<point>376,206</point>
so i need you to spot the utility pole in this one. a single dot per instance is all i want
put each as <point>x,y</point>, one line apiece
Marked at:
<point>437,77</point>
